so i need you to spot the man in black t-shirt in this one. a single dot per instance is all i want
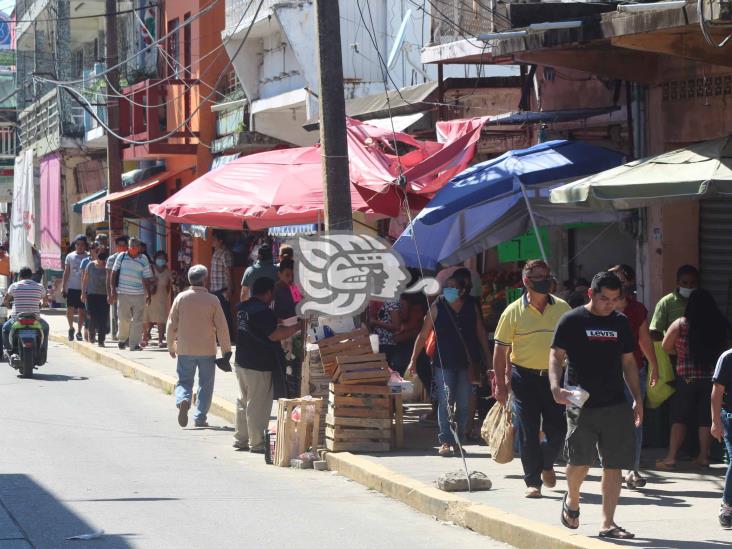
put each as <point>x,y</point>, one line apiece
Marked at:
<point>722,426</point>
<point>257,349</point>
<point>598,345</point>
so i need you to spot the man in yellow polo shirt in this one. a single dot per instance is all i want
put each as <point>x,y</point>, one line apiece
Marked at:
<point>524,335</point>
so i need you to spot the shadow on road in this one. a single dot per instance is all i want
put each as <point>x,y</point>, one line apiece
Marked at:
<point>58,377</point>
<point>30,512</point>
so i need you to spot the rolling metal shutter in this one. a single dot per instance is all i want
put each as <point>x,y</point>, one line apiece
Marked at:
<point>715,250</point>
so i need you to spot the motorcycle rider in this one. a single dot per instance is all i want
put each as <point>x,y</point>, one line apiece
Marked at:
<point>26,296</point>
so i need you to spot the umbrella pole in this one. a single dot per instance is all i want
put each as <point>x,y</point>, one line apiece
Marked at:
<point>533,222</point>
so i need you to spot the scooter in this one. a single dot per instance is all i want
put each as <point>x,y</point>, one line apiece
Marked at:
<point>26,340</point>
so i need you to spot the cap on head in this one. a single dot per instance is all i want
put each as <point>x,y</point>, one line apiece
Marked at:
<point>197,275</point>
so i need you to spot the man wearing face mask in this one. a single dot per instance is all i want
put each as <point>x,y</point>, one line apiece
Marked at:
<point>672,306</point>
<point>524,334</point>
<point>121,243</point>
<point>131,289</point>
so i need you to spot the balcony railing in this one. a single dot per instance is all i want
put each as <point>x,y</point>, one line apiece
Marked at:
<point>40,123</point>
<point>453,20</point>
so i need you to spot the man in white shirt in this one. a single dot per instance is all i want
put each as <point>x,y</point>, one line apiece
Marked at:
<point>27,296</point>
<point>72,286</point>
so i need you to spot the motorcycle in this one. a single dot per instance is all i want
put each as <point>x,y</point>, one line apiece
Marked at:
<point>26,340</point>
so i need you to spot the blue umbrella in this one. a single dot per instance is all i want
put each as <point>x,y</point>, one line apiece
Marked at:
<point>504,176</point>
<point>497,200</point>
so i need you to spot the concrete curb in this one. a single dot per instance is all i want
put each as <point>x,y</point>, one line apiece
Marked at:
<point>483,519</point>
<point>219,406</point>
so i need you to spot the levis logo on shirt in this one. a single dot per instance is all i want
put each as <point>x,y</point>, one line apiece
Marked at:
<point>602,335</point>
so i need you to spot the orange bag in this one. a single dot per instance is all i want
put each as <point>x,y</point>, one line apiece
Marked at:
<point>430,345</point>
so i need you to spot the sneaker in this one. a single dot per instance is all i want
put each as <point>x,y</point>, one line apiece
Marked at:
<point>136,348</point>
<point>240,446</point>
<point>549,478</point>
<point>201,423</point>
<point>725,516</point>
<point>257,449</point>
<point>532,492</point>
<point>101,343</point>
<point>79,336</point>
<point>71,334</point>
<point>183,408</point>
<point>445,450</point>
<point>122,345</point>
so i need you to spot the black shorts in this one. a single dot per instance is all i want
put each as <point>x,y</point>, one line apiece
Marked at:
<point>609,430</point>
<point>73,299</point>
<point>692,401</point>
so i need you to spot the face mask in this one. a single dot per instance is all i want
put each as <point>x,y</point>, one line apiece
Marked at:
<point>160,262</point>
<point>451,295</point>
<point>541,286</point>
<point>686,292</point>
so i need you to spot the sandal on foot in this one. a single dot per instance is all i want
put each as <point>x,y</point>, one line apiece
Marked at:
<point>616,532</point>
<point>573,514</point>
<point>634,481</point>
<point>663,466</point>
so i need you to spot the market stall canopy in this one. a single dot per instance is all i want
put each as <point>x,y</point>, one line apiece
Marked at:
<point>474,230</point>
<point>284,187</point>
<point>701,169</point>
<point>274,188</point>
<point>503,176</point>
<point>485,205</point>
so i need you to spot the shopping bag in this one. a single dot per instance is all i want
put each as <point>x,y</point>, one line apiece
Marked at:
<point>497,431</point>
<point>655,396</point>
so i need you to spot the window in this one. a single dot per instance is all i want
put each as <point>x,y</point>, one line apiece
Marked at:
<point>173,49</point>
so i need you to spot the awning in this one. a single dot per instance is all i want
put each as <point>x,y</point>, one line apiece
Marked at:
<point>96,211</point>
<point>91,198</point>
<point>400,123</point>
<point>293,230</point>
<point>692,172</point>
<point>565,115</point>
<point>403,101</point>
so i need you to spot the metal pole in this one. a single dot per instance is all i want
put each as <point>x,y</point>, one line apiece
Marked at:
<point>332,105</point>
<point>533,223</point>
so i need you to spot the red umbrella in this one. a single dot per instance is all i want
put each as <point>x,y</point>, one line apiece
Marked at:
<point>281,187</point>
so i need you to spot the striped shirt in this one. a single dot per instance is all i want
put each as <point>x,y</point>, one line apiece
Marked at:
<point>132,271</point>
<point>27,296</point>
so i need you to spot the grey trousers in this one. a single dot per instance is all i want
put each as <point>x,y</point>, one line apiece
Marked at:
<point>253,407</point>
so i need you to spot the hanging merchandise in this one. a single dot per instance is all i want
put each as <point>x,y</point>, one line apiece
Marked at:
<point>22,220</point>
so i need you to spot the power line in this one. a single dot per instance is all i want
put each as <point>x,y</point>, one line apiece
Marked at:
<point>75,17</point>
<point>79,98</point>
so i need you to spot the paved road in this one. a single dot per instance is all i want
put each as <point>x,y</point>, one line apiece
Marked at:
<point>84,449</point>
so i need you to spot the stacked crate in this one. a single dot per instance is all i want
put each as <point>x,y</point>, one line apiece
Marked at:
<point>359,412</point>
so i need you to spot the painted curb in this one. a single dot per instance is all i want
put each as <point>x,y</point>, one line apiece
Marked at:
<point>483,519</point>
<point>219,406</point>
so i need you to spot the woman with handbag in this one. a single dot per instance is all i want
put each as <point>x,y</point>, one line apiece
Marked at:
<point>460,340</point>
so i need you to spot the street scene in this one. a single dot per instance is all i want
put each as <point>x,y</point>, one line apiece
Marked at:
<point>366,272</point>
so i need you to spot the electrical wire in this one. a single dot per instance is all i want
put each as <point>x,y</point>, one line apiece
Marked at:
<point>87,106</point>
<point>203,11</point>
<point>75,17</point>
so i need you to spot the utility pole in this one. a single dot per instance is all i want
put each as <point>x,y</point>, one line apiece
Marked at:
<point>332,105</point>
<point>114,154</point>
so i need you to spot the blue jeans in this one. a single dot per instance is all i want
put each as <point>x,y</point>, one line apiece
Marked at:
<point>535,408</point>
<point>638,430</point>
<point>459,389</point>
<point>727,424</point>
<point>6,335</point>
<point>184,388</point>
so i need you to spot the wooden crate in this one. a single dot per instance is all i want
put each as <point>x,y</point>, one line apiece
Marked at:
<point>369,369</point>
<point>353,343</point>
<point>359,418</point>
<point>295,437</point>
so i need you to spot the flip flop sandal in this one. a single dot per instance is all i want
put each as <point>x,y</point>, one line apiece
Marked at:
<point>639,481</point>
<point>569,513</point>
<point>616,532</point>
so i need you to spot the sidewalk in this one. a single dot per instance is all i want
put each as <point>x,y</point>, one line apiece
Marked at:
<point>675,510</point>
